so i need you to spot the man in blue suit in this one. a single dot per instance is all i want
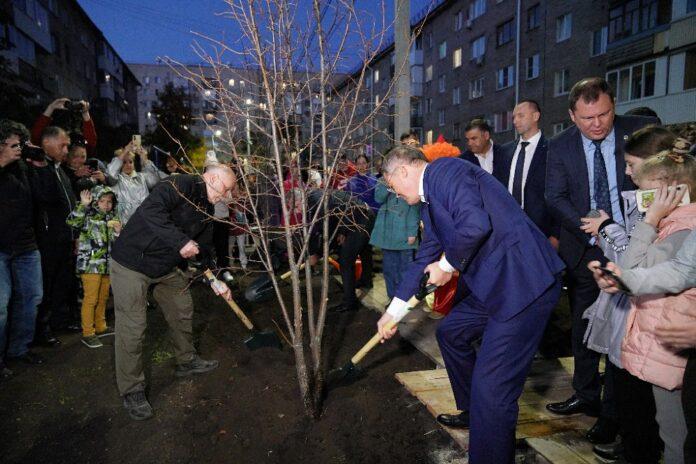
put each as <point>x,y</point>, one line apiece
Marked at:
<point>482,151</point>
<point>585,171</point>
<point>524,168</point>
<point>509,283</point>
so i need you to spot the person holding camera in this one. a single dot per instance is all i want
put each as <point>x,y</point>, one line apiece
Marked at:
<point>20,263</point>
<point>85,173</point>
<point>132,187</point>
<point>79,106</point>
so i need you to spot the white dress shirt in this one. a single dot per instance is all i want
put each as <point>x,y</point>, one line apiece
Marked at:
<point>486,160</point>
<point>398,308</point>
<point>528,155</point>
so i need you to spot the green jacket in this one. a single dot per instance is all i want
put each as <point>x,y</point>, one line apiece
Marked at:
<point>396,221</point>
<point>94,243</point>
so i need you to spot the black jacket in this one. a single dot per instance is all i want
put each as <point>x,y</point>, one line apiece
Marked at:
<point>17,208</point>
<point>568,187</point>
<point>176,211</point>
<point>534,187</point>
<point>56,200</point>
<point>498,160</point>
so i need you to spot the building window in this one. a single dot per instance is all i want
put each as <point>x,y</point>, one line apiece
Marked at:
<point>631,18</point>
<point>442,50</point>
<point>376,75</point>
<point>146,80</point>
<point>533,67</point>
<point>429,73</point>
<point>502,122</point>
<point>559,127</point>
<point>457,58</point>
<point>504,77</point>
<point>534,17</point>
<point>690,6</point>
<point>441,84</point>
<point>599,42</point>
<point>456,131</point>
<point>456,96</point>
<point>428,105</point>
<point>690,68</point>
<point>476,88</point>
<point>377,100</point>
<point>561,82</point>
<point>429,136</point>
<point>505,32</point>
<point>477,8</point>
<point>459,20</point>
<point>24,46</point>
<point>441,118</point>
<point>429,40</point>
<point>157,80</point>
<point>368,82</point>
<point>564,27</point>
<point>478,47</point>
<point>633,82</point>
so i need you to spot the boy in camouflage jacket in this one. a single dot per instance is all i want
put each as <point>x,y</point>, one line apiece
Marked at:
<point>98,225</point>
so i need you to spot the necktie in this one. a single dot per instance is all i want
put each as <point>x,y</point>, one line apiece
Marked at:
<point>601,182</point>
<point>519,171</point>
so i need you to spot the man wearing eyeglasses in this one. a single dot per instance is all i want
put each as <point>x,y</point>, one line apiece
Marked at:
<point>20,263</point>
<point>173,224</point>
<point>509,283</point>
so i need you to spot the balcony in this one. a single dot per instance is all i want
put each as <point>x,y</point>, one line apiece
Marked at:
<point>109,67</point>
<point>416,89</point>
<point>106,90</point>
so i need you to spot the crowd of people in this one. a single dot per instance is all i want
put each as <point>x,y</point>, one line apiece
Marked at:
<point>604,205</point>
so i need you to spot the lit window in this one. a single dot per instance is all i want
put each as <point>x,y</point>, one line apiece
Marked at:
<point>457,58</point>
<point>564,27</point>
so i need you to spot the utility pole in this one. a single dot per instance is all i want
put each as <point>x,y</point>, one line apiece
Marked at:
<point>402,67</point>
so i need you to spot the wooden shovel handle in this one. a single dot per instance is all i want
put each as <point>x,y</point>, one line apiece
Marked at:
<point>289,273</point>
<point>374,341</point>
<point>232,304</point>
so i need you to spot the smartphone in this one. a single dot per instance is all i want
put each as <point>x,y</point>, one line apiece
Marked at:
<point>612,275</point>
<point>93,164</point>
<point>645,198</point>
<point>137,140</point>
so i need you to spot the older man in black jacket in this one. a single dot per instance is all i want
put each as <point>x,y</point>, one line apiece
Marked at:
<point>171,225</point>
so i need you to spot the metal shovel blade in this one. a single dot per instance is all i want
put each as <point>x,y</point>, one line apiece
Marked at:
<point>263,339</point>
<point>345,375</point>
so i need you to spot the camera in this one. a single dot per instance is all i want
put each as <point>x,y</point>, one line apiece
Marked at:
<point>85,183</point>
<point>30,152</point>
<point>74,105</point>
<point>93,164</point>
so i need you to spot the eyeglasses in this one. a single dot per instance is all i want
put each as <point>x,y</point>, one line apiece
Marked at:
<point>14,146</point>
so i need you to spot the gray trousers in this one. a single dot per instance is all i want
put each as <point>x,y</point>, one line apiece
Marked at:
<point>130,306</point>
<point>670,418</point>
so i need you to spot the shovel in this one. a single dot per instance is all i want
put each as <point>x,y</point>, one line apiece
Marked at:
<point>350,371</point>
<point>258,339</point>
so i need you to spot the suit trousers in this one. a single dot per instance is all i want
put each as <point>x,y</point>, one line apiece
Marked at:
<point>221,234</point>
<point>489,383</point>
<point>59,286</point>
<point>130,305</point>
<point>356,244</point>
<point>582,292</point>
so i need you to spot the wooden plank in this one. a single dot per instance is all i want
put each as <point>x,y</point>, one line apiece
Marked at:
<point>563,448</point>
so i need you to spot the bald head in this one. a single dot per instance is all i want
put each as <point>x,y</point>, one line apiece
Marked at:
<point>220,183</point>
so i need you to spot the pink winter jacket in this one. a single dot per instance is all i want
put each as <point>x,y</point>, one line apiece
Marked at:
<point>641,353</point>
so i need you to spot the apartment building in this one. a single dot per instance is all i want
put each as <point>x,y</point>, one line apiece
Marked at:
<point>651,57</point>
<point>55,50</point>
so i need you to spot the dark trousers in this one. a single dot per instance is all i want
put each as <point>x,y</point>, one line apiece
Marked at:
<point>355,244</point>
<point>689,405</point>
<point>221,237</point>
<point>582,292</point>
<point>489,383</point>
<point>635,405</point>
<point>59,287</point>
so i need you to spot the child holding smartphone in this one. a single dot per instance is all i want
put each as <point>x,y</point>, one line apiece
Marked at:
<point>98,225</point>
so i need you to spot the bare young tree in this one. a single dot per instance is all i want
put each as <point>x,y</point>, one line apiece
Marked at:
<point>286,102</point>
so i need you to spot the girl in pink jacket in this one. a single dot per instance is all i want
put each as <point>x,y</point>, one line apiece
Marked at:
<point>657,239</point>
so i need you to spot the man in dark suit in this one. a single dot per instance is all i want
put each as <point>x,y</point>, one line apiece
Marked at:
<point>585,171</point>
<point>509,283</point>
<point>523,166</point>
<point>482,151</point>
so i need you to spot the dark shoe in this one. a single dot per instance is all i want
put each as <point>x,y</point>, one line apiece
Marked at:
<point>72,327</point>
<point>602,432</point>
<point>574,405</point>
<point>195,366</point>
<point>30,358</point>
<point>5,373</point>
<point>610,452</point>
<point>46,339</point>
<point>108,331</point>
<point>344,308</point>
<point>460,420</point>
<point>92,342</point>
<point>138,406</point>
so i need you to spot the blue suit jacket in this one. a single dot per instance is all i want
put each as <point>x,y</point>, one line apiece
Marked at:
<point>534,188</point>
<point>568,185</point>
<point>503,258</point>
<point>498,160</point>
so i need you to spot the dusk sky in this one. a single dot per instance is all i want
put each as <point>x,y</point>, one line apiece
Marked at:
<point>143,30</point>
